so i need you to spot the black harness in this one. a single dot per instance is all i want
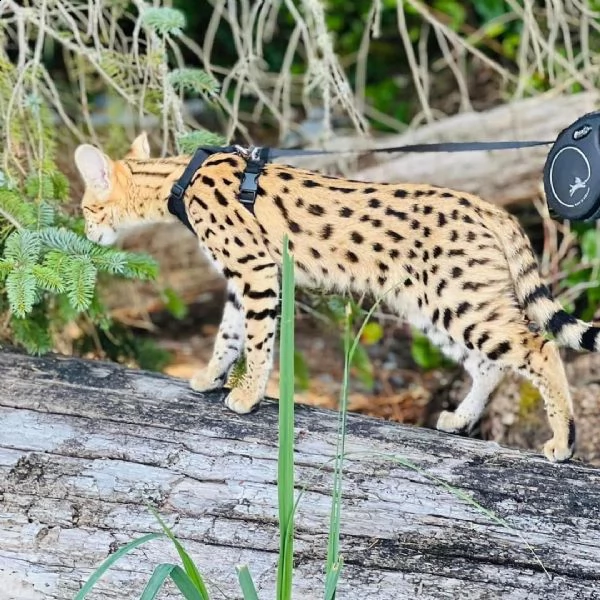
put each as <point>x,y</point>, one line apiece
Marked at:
<point>571,173</point>
<point>256,160</point>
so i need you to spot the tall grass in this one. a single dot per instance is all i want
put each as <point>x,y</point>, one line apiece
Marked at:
<point>285,463</point>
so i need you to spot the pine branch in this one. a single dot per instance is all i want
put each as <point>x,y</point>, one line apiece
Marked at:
<point>21,290</point>
<point>80,281</point>
<point>23,247</point>
<point>193,80</point>
<point>164,21</point>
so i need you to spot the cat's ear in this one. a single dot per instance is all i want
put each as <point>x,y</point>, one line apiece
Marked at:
<point>95,168</point>
<point>140,148</point>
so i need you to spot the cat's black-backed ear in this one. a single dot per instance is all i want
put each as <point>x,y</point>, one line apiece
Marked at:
<point>95,168</point>
<point>140,148</point>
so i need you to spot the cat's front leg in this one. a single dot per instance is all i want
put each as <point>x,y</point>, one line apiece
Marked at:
<point>260,301</point>
<point>228,346</point>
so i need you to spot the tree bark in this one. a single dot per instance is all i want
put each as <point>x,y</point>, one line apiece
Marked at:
<point>85,446</point>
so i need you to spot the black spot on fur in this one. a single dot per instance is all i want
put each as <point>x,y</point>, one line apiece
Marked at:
<point>356,237</point>
<point>462,308</point>
<point>501,349</point>
<point>588,339</point>
<point>316,209</point>
<point>394,236</point>
<point>541,291</point>
<point>346,212</point>
<point>390,212</point>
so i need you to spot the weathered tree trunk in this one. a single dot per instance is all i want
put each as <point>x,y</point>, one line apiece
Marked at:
<point>85,446</point>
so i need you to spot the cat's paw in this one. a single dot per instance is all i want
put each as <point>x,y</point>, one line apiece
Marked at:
<point>556,451</point>
<point>451,422</point>
<point>206,380</point>
<point>241,401</point>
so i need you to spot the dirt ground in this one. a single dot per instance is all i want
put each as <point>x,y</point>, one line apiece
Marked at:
<point>405,393</point>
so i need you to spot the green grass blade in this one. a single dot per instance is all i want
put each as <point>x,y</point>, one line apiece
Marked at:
<point>111,560</point>
<point>188,564</point>
<point>155,583</point>
<point>333,540</point>
<point>246,583</point>
<point>332,579</point>
<point>185,584</point>
<point>285,480</point>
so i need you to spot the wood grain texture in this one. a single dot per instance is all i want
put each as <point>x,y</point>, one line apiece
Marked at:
<point>84,447</point>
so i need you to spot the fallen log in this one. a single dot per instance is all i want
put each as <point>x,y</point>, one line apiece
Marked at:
<point>85,446</point>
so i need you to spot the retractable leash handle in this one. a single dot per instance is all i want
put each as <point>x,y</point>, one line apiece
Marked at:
<point>572,171</point>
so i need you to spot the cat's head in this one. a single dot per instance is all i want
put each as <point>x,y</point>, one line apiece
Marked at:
<point>107,186</point>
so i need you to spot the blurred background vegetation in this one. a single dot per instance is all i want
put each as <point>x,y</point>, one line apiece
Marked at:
<point>285,72</point>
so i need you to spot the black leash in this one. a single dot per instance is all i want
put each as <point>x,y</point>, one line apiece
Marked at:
<point>257,158</point>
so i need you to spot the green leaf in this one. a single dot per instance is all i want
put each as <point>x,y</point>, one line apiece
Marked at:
<point>372,333</point>
<point>424,353</point>
<point>174,303</point>
<point>21,290</point>
<point>364,368</point>
<point>246,583</point>
<point>164,21</point>
<point>80,281</point>
<point>455,10</point>
<point>332,578</point>
<point>111,560</point>
<point>301,374</point>
<point>285,462</point>
<point>160,574</point>
<point>190,567</point>
<point>23,247</point>
<point>589,244</point>
<point>183,581</point>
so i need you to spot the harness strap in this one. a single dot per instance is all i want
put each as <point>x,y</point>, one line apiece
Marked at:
<point>175,203</point>
<point>249,186</point>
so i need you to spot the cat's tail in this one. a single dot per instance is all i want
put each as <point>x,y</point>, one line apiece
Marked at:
<point>535,297</point>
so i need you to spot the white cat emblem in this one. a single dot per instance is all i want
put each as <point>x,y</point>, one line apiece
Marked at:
<point>578,185</point>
